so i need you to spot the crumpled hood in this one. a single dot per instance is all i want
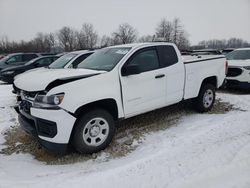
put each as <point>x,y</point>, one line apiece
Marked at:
<point>39,80</point>
<point>238,63</point>
<point>40,69</point>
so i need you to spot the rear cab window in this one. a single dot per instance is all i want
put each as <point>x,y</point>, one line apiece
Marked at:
<point>167,55</point>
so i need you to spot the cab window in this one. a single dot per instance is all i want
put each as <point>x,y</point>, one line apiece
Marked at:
<point>167,55</point>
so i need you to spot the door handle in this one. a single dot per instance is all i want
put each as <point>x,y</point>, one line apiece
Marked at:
<point>159,76</point>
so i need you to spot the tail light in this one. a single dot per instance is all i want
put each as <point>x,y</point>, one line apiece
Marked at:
<point>226,67</point>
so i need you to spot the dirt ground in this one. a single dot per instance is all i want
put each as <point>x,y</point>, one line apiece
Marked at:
<point>130,133</point>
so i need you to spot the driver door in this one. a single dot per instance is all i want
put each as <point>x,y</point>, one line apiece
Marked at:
<point>144,91</point>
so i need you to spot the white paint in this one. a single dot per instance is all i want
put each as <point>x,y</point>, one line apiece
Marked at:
<point>140,93</point>
<point>202,150</point>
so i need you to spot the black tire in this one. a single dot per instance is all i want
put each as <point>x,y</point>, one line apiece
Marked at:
<point>200,103</point>
<point>81,136</point>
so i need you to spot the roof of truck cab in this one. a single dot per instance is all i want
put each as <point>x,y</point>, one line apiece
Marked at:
<point>135,45</point>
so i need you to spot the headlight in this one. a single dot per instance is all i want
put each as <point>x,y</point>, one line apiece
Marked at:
<point>7,72</point>
<point>48,101</point>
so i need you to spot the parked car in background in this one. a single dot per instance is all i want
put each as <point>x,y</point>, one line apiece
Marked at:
<point>17,59</point>
<point>80,106</point>
<point>8,74</point>
<point>238,75</point>
<point>71,59</point>
<point>206,52</point>
<point>68,60</point>
<point>227,50</point>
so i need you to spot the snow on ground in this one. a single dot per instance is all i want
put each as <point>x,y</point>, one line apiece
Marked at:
<point>202,150</point>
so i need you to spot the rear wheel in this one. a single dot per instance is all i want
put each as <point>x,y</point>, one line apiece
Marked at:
<point>205,100</point>
<point>93,131</point>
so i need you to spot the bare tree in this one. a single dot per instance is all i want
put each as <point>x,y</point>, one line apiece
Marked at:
<point>177,30</point>
<point>164,30</point>
<point>173,32</point>
<point>183,42</point>
<point>124,34</point>
<point>38,42</point>
<point>106,41</point>
<point>87,37</point>
<point>4,44</point>
<point>220,44</point>
<point>67,38</point>
<point>236,43</point>
<point>146,38</point>
<point>50,41</point>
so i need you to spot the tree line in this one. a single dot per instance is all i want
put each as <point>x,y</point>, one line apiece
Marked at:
<point>222,44</point>
<point>69,39</point>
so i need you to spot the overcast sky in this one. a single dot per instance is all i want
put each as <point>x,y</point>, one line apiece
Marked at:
<point>202,19</point>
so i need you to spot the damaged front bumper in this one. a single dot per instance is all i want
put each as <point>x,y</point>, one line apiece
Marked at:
<point>52,127</point>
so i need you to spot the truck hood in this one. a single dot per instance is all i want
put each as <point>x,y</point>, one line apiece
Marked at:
<point>238,63</point>
<point>49,78</point>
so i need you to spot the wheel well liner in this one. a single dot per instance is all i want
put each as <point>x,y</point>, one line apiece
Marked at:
<point>107,104</point>
<point>210,80</point>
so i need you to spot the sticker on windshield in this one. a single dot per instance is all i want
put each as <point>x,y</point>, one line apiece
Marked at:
<point>123,52</point>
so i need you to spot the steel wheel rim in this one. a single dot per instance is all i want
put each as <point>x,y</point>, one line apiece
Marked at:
<point>95,131</point>
<point>208,98</point>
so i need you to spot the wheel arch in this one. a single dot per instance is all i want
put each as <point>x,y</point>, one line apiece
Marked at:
<point>210,80</point>
<point>108,104</point>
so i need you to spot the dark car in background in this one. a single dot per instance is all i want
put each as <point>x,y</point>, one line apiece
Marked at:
<point>17,59</point>
<point>206,52</point>
<point>227,50</point>
<point>8,74</point>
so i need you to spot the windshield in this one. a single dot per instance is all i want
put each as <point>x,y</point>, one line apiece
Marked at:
<point>104,59</point>
<point>238,55</point>
<point>3,60</point>
<point>62,61</point>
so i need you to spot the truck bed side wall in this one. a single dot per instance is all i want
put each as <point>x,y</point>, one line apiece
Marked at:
<point>196,72</point>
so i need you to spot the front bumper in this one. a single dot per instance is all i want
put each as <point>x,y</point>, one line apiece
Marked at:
<point>235,84</point>
<point>52,127</point>
<point>238,78</point>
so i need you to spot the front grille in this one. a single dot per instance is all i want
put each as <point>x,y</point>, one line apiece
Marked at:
<point>233,72</point>
<point>25,106</point>
<point>29,94</point>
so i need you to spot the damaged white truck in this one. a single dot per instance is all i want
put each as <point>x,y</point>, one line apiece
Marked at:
<point>80,107</point>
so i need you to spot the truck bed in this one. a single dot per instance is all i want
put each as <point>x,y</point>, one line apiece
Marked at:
<point>199,67</point>
<point>191,59</point>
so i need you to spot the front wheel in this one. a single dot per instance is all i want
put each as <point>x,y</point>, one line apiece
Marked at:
<point>93,131</point>
<point>205,100</point>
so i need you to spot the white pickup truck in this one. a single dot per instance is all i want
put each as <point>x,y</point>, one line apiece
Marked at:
<point>80,106</point>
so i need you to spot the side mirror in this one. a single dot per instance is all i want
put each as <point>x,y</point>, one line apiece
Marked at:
<point>130,70</point>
